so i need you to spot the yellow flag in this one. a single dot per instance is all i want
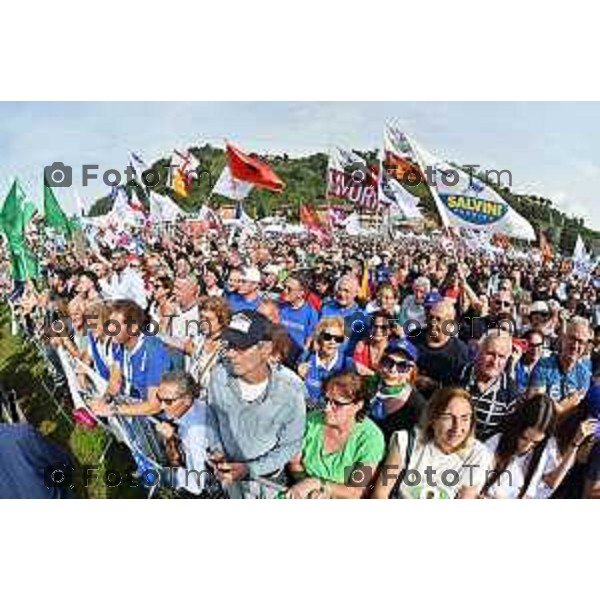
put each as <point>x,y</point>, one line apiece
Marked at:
<point>363,293</point>
<point>179,184</point>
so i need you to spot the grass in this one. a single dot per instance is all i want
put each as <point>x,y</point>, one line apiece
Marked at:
<point>23,369</point>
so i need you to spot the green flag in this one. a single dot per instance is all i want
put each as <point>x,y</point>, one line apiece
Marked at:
<point>13,221</point>
<point>53,213</point>
<point>29,209</point>
<point>24,263</point>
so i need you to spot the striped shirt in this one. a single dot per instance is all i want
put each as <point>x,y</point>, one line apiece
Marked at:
<point>492,405</point>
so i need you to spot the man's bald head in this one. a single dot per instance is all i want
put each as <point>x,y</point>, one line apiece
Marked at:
<point>346,290</point>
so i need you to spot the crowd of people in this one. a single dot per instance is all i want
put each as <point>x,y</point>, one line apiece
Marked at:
<point>286,367</point>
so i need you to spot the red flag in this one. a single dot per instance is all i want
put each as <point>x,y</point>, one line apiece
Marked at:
<point>246,167</point>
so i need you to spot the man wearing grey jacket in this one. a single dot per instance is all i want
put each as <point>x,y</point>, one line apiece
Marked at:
<point>259,409</point>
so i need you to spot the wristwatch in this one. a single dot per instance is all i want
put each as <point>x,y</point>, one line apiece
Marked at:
<point>323,488</point>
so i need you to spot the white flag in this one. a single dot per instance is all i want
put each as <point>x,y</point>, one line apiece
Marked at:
<point>163,209</point>
<point>466,201</point>
<point>122,214</point>
<point>393,193</point>
<point>582,263</point>
<point>230,187</point>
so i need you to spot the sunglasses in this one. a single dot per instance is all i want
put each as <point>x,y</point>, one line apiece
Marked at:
<point>380,327</point>
<point>330,337</point>
<point>534,346</point>
<point>167,401</point>
<point>335,404</point>
<point>401,366</point>
<point>504,303</point>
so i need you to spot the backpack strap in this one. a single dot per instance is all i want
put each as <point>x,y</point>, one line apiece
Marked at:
<point>410,445</point>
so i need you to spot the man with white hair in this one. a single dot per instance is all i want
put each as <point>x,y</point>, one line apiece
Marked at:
<point>493,392</point>
<point>344,305</point>
<point>565,376</point>
<point>412,310</point>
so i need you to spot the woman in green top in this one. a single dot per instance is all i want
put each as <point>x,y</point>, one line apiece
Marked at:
<point>342,446</point>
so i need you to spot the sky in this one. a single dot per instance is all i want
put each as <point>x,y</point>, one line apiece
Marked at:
<point>551,148</point>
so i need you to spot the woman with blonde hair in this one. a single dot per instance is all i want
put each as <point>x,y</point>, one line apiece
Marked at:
<point>439,459</point>
<point>326,360</point>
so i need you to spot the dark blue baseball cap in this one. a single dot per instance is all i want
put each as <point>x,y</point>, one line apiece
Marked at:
<point>396,346</point>
<point>432,299</point>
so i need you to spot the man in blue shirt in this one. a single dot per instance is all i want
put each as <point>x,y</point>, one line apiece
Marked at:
<point>188,432</point>
<point>565,376</point>
<point>247,297</point>
<point>344,305</point>
<point>296,315</point>
<point>141,361</point>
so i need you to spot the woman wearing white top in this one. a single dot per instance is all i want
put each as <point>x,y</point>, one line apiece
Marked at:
<point>527,462</point>
<point>205,350</point>
<point>442,458</point>
<point>386,300</point>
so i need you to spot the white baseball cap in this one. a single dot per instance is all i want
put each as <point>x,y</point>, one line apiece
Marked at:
<point>251,275</point>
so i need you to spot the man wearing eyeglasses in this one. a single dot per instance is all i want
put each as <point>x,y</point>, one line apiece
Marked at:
<point>248,296</point>
<point>565,376</point>
<point>259,410</point>
<point>297,316</point>
<point>527,362</point>
<point>187,433</point>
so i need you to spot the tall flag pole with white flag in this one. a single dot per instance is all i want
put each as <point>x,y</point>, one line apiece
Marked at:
<point>404,164</point>
<point>466,201</point>
<point>462,199</point>
<point>582,264</point>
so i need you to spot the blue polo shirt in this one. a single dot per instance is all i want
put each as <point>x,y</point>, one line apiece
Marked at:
<point>548,375</point>
<point>237,302</point>
<point>317,374</point>
<point>299,322</point>
<point>144,367</point>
